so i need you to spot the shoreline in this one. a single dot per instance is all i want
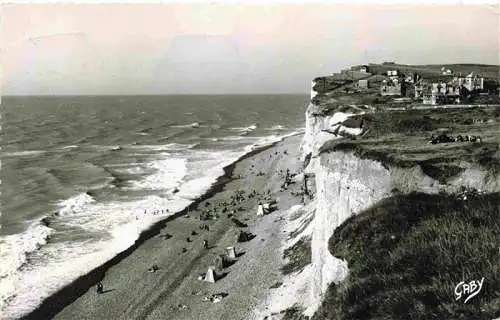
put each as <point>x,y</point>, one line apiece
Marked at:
<point>68,294</point>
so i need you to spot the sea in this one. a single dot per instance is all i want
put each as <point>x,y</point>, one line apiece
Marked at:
<point>83,176</point>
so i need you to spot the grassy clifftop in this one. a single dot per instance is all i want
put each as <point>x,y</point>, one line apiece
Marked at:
<point>402,139</point>
<point>407,254</point>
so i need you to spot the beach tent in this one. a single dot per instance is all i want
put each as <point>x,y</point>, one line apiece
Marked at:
<point>260,210</point>
<point>210,275</point>
<point>231,253</point>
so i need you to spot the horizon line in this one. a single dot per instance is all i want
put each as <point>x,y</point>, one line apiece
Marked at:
<point>148,94</point>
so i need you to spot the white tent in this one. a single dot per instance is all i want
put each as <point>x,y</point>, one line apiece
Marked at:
<point>260,210</point>
<point>209,276</point>
<point>266,206</point>
<point>231,253</point>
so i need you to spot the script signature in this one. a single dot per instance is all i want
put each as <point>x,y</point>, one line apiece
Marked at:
<point>469,289</point>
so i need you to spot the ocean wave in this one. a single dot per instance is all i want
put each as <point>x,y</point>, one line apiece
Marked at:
<point>22,153</point>
<point>70,147</point>
<point>233,138</point>
<point>268,140</point>
<point>14,252</point>
<point>163,147</point>
<point>107,148</point>
<point>168,174</point>
<point>75,205</point>
<point>108,183</point>
<point>277,128</point>
<point>244,129</point>
<point>190,125</point>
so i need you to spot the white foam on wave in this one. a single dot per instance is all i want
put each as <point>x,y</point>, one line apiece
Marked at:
<point>14,252</point>
<point>65,262</point>
<point>276,128</point>
<point>204,170</point>
<point>233,138</point>
<point>244,129</point>
<point>70,147</point>
<point>163,147</point>
<point>106,148</point>
<point>190,125</point>
<point>168,174</point>
<point>267,140</point>
<point>22,153</point>
<point>137,169</point>
<point>106,184</point>
<point>75,205</point>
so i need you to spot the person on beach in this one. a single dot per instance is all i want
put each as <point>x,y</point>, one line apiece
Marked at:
<point>153,268</point>
<point>100,287</point>
<point>205,244</point>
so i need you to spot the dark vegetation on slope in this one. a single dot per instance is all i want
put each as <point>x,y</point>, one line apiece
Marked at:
<point>299,256</point>
<point>407,254</point>
<point>294,313</point>
<point>411,122</point>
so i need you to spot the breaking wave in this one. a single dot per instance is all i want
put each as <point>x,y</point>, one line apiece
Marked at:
<point>22,153</point>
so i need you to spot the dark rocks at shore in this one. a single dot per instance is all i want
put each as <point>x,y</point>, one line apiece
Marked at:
<point>45,221</point>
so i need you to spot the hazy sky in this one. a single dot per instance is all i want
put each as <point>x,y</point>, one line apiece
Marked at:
<point>222,48</point>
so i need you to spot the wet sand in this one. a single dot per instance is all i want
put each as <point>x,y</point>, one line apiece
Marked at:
<point>174,292</point>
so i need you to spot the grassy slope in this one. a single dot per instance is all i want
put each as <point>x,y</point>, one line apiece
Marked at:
<point>407,253</point>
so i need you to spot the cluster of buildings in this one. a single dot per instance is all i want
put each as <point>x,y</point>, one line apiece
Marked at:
<point>452,91</point>
<point>448,89</point>
<point>393,85</point>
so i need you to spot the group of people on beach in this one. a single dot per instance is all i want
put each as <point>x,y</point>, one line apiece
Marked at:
<point>444,138</point>
<point>230,207</point>
<point>288,179</point>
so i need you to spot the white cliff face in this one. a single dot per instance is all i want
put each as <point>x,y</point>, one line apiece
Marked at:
<point>346,185</point>
<point>313,92</point>
<point>315,137</point>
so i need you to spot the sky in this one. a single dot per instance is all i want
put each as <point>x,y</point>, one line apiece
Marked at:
<point>220,48</point>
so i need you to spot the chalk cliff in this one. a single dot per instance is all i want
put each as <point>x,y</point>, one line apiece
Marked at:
<point>345,185</point>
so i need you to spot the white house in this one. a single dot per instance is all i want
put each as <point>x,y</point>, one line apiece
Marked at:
<point>363,84</point>
<point>446,72</point>
<point>392,73</point>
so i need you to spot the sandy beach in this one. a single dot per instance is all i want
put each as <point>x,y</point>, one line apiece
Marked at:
<point>174,290</point>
